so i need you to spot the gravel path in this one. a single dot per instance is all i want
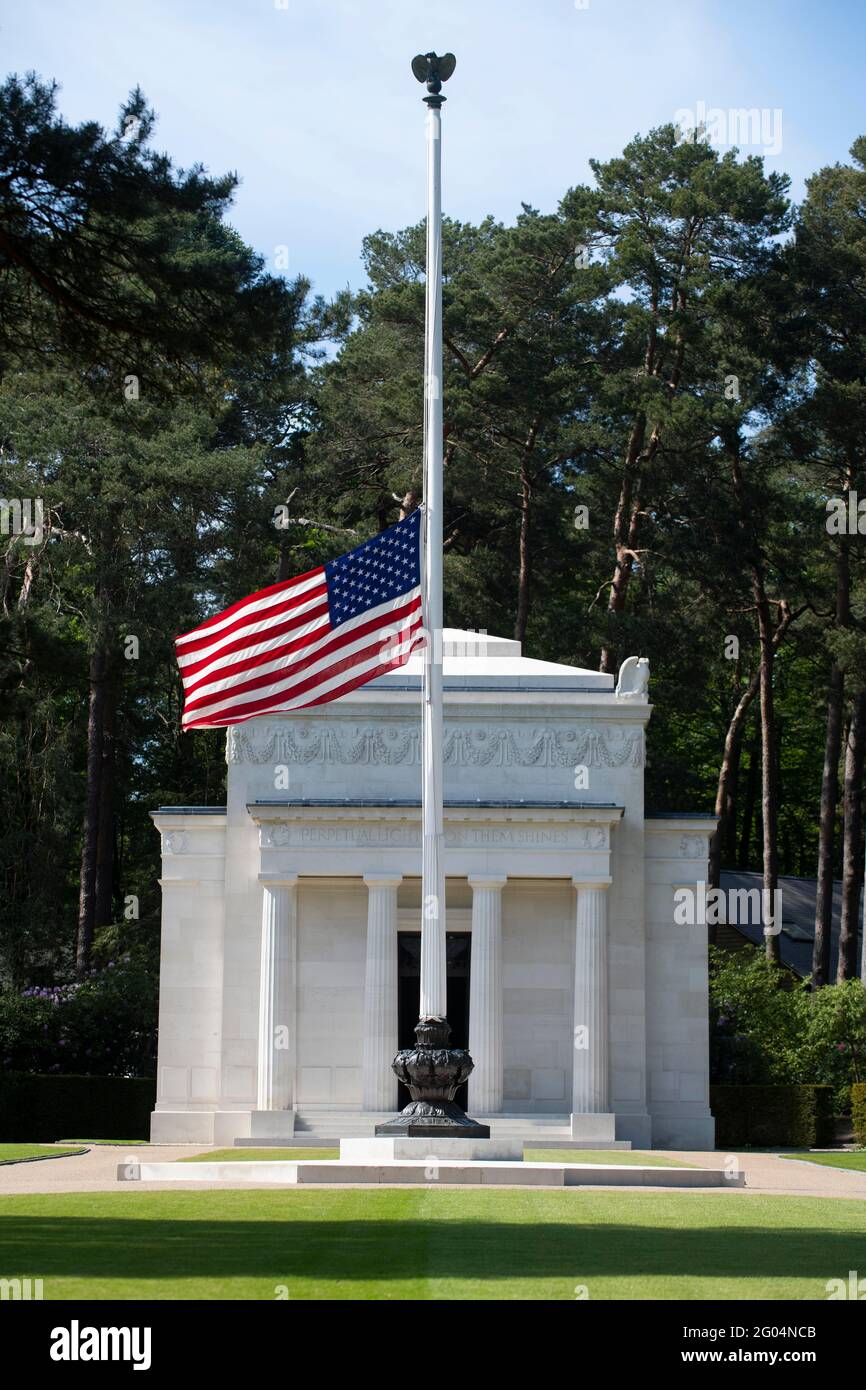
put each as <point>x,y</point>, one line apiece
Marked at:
<point>96,1171</point>
<point>792,1177</point>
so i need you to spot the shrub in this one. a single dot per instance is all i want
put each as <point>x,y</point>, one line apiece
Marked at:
<point>791,1116</point>
<point>104,1025</point>
<point>858,1111</point>
<point>768,1027</point>
<point>46,1108</point>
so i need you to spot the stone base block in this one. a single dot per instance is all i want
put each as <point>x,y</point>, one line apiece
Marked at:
<point>222,1127</point>
<point>594,1128</point>
<point>385,1149</point>
<point>441,1119</point>
<point>674,1130</point>
<point>182,1127</point>
<point>434,1128</point>
<point>229,1124</point>
<point>636,1129</point>
<point>270,1124</point>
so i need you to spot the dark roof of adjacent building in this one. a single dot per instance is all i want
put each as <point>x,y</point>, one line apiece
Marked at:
<point>797,936</point>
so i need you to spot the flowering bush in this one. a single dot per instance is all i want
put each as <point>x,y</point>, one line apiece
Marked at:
<point>104,1025</point>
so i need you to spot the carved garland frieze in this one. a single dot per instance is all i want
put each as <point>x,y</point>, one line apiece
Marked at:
<point>474,746</point>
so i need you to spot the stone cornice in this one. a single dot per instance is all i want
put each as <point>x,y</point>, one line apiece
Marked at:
<point>187,820</point>
<point>287,880</point>
<point>495,882</point>
<point>685,825</point>
<point>589,816</point>
<point>599,703</point>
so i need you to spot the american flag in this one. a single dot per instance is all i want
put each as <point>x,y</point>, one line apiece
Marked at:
<point>307,640</point>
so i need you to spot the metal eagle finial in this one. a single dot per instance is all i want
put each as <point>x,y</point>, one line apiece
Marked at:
<point>433,70</point>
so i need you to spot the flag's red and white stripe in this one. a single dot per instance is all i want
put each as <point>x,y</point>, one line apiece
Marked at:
<point>277,650</point>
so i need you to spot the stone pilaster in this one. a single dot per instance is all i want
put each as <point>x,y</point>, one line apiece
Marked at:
<point>485,994</point>
<point>380,993</point>
<point>590,1088</point>
<point>276,1041</point>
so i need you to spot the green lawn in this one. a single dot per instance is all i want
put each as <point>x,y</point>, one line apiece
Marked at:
<point>16,1153</point>
<point>422,1244</point>
<point>652,1160</point>
<point>107,1143</point>
<point>856,1160</point>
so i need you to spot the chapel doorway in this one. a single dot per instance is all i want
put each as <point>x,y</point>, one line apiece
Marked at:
<point>458,956</point>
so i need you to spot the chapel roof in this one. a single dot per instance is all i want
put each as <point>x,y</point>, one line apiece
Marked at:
<point>479,660</point>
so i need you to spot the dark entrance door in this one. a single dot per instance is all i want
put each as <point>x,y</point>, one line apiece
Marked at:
<point>457,955</point>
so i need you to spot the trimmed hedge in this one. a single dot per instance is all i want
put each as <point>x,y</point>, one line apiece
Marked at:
<point>798,1117</point>
<point>858,1111</point>
<point>46,1108</point>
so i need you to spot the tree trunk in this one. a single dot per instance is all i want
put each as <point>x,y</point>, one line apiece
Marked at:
<point>830,785</point>
<point>105,840</point>
<point>639,460</point>
<point>852,844</point>
<point>767,644</point>
<point>744,853</point>
<point>827,829</point>
<point>625,533</point>
<point>284,563</point>
<point>524,569</point>
<point>769,806</point>
<point>90,828</point>
<point>728,773</point>
<point>728,841</point>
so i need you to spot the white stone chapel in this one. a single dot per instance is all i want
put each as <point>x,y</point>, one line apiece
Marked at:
<point>291,916</point>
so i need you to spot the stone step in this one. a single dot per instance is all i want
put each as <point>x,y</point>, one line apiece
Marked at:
<point>543,1130</point>
<point>338,1124</point>
<point>419,1172</point>
<point>528,1124</point>
<point>315,1119</point>
<point>287,1141</point>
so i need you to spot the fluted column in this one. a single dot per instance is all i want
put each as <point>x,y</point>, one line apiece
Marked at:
<point>485,994</point>
<point>380,993</point>
<point>276,993</point>
<point>590,1090</point>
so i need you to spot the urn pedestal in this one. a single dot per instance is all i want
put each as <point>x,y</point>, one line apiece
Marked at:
<point>433,1071</point>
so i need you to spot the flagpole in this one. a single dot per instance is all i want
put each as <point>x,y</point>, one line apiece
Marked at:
<point>432,1070</point>
<point>433,971</point>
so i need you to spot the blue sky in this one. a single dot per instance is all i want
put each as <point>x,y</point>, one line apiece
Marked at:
<point>313,103</point>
